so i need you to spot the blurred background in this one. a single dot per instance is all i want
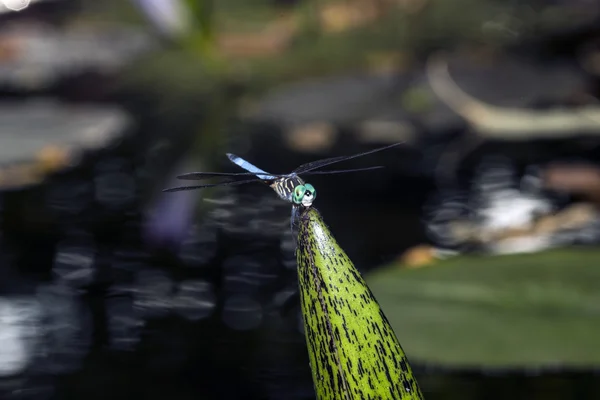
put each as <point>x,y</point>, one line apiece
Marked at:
<point>478,238</point>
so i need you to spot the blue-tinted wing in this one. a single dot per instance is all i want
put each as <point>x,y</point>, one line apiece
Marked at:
<point>196,176</point>
<point>328,161</point>
<point>250,167</point>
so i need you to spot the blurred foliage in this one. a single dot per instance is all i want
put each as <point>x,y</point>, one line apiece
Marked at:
<point>434,24</point>
<point>239,49</point>
<point>417,99</point>
<point>511,311</point>
<point>438,23</point>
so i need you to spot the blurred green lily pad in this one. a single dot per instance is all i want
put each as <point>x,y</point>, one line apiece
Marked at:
<point>529,310</point>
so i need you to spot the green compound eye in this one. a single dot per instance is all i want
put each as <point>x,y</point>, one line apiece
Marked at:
<point>310,188</point>
<point>298,194</point>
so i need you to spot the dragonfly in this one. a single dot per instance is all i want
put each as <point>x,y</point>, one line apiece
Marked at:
<point>289,187</point>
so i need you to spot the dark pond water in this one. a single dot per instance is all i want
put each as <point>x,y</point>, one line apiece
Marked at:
<point>97,303</point>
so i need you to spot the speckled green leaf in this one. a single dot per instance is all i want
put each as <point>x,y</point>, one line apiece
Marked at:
<point>354,353</point>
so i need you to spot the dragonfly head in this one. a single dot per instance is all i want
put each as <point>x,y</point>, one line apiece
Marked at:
<point>304,194</point>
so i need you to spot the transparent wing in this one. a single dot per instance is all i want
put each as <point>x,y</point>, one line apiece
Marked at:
<point>328,161</point>
<point>342,171</point>
<point>228,183</point>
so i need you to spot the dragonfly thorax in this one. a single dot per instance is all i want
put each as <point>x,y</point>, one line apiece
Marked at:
<point>294,190</point>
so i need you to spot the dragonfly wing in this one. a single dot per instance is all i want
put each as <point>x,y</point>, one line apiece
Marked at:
<point>342,171</point>
<point>328,161</point>
<point>196,176</point>
<point>228,183</point>
<point>250,167</point>
<point>316,164</point>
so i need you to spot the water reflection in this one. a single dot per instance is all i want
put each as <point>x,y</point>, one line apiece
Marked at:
<point>66,327</point>
<point>288,250</point>
<point>19,333</point>
<point>69,197</point>
<point>74,261</point>
<point>507,208</point>
<point>152,293</point>
<point>114,190</point>
<point>194,300</point>
<point>114,184</point>
<point>245,274</point>
<point>199,246</point>
<point>242,312</point>
<point>124,322</point>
